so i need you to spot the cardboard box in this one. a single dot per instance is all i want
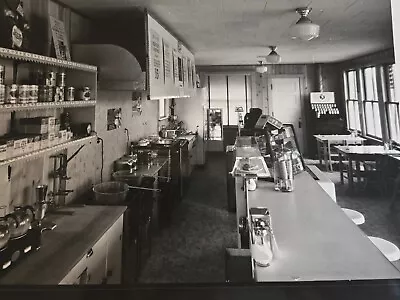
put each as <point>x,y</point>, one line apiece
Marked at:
<point>44,141</point>
<point>51,138</point>
<point>62,135</point>
<point>52,124</point>
<point>3,151</point>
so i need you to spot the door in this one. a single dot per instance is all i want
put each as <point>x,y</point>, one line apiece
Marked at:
<point>114,252</point>
<point>285,104</point>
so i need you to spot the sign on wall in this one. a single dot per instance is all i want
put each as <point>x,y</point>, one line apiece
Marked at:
<point>60,40</point>
<point>167,62</point>
<point>156,55</point>
<point>176,68</point>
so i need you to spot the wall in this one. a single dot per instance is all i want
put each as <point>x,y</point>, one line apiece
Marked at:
<point>260,82</point>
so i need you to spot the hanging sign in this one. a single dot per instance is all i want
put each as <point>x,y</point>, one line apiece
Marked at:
<point>167,62</point>
<point>156,54</point>
<point>60,40</point>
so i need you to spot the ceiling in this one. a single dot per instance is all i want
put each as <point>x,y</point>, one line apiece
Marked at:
<point>235,32</point>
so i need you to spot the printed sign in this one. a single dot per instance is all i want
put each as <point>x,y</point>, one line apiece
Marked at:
<point>176,67</point>
<point>156,54</point>
<point>167,62</point>
<point>60,41</point>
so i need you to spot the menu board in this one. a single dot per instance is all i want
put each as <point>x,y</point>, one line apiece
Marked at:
<point>156,57</point>
<point>168,69</point>
<point>190,73</point>
<point>167,57</point>
<point>176,68</point>
<point>184,67</point>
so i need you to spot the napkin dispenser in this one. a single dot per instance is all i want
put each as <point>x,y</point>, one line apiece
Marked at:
<point>262,241</point>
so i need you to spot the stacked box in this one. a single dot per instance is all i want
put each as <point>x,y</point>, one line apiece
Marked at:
<point>39,125</point>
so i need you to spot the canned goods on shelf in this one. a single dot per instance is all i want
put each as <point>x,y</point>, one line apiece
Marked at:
<point>23,93</point>
<point>51,78</point>
<point>11,94</point>
<point>34,92</point>
<point>84,94</point>
<point>45,93</point>
<point>61,79</point>
<point>70,94</point>
<point>2,74</point>
<point>59,94</point>
<point>2,93</point>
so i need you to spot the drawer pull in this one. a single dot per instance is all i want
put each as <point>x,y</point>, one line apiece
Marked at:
<point>90,253</point>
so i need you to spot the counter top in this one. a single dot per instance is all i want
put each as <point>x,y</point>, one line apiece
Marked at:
<point>188,137</point>
<point>63,247</point>
<point>316,240</point>
<point>150,169</point>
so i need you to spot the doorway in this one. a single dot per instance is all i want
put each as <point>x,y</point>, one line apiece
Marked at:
<point>284,97</point>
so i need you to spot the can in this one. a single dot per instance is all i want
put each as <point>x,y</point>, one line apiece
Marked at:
<point>70,94</point>
<point>2,93</point>
<point>2,74</point>
<point>45,93</point>
<point>59,94</point>
<point>61,79</point>
<point>84,94</point>
<point>11,94</point>
<point>24,93</point>
<point>51,78</point>
<point>34,91</point>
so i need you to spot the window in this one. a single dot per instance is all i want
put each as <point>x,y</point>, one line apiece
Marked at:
<point>163,108</point>
<point>371,104</point>
<point>227,92</point>
<point>392,106</point>
<point>371,98</point>
<point>351,94</point>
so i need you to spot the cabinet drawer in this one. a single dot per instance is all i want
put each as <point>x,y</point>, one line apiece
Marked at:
<point>74,275</point>
<point>114,252</point>
<point>96,261</point>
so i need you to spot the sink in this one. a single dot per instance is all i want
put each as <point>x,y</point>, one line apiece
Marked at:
<point>165,142</point>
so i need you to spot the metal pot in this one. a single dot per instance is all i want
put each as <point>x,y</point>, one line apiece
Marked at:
<point>21,220</point>
<point>5,233</point>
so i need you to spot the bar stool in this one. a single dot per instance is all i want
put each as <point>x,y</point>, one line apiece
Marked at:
<point>355,216</point>
<point>390,250</point>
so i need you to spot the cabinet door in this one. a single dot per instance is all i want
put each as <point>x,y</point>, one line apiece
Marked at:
<point>114,252</point>
<point>73,277</point>
<point>96,264</point>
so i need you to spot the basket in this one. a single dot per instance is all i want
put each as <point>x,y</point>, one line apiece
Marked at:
<point>112,192</point>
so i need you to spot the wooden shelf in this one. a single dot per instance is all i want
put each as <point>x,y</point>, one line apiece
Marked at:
<point>40,59</point>
<point>46,105</point>
<point>47,151</point>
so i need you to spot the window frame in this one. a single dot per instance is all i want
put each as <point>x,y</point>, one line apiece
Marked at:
<point>380,103</point>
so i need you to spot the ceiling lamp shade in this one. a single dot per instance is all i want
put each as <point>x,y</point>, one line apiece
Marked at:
<point>261,68</point>
<point>273,57</point>
<point>304,29</point>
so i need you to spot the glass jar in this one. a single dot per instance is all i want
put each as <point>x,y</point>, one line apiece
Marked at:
<point>283,170</point>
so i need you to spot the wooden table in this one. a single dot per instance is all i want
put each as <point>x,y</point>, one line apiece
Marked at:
<point>336,139</point>
<point>356,154</point>
<point>315,239</point>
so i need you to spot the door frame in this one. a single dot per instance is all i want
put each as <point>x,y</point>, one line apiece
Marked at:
<point>302,89</point>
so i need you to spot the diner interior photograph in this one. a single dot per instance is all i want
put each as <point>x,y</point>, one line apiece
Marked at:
<point>147,142</point>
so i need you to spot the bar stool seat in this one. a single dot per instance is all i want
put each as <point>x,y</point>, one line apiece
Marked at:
<point>390,250</point>
<point>355,216</point>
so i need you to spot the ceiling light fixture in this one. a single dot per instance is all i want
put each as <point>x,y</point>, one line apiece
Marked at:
<point>304,29</point>
<point>261,68</point>
<point>273,57</point>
